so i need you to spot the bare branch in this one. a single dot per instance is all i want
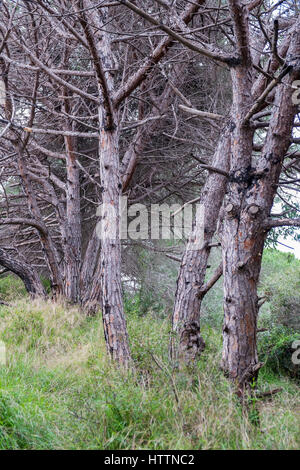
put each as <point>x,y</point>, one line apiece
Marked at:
<point>218,56</point>
<point>201,114</point>
<point>209,284</point>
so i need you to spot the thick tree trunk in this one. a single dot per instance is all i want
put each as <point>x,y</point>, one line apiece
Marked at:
<point>249,202</point>
<point>24,271</point>
<point>186,342</point>
<point>241,252</point>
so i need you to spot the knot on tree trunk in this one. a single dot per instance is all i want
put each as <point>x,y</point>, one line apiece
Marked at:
<point>231,210</point>
<point>253,210</point>
<point>191,342</point>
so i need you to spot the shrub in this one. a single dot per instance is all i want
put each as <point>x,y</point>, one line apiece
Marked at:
<point>280,284</point>
<point>275,349</point>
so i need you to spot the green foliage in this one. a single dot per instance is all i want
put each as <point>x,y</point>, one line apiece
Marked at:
<point>40,326</point>
<point>59,390</point>
<point>47,285</point>
<point>280,285</point>
<point>275,348</point>
<point>25,411</point>
<point>142,302</point>
<point>131,303</point>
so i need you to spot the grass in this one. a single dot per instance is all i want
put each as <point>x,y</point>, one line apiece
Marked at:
<point>59,390</point>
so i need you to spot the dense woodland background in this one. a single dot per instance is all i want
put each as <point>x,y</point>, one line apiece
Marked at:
<point>144,343</point>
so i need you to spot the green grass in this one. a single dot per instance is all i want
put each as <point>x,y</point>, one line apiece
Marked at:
<point>11,287</point>
<point>59,390</point>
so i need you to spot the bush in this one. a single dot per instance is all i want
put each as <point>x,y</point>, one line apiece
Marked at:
<point>276,351</point>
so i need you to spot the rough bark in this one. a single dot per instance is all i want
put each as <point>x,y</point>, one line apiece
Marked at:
<point>109,266</point>
<point>240,281</point>
<point>249,200</point>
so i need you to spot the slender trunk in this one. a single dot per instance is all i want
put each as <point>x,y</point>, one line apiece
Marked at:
<point>51,255</point>
<point>89,282</point>
<point>25,272</point>
<point>186,342</point>
<point>72,243</point>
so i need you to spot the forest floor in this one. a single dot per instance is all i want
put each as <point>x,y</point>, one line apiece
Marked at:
<point>58,389</point>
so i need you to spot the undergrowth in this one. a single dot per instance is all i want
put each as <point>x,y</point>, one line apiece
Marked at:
<point>59,390</point>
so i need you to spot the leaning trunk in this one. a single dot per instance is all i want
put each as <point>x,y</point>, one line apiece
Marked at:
<point>186,342</point>
<point>50,251</point>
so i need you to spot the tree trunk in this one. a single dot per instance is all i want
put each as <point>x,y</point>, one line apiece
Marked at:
<point>24,271</point>
<point>72,243</point>
<point>51,255</point>
<point>87,274</point>
<point>249,201</point>
<point>109,265</point>
<point>186,342</point>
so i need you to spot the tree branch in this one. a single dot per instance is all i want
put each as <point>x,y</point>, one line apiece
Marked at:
<point>218,56</point>
<point>59,80</point>
<point>209,284</point>
<point>160,50</point>
<point>271,223</point>
<point>204,114</point>
<point>210,167</point>
<point>22,221</point>
<point>265,93</point>
<point>97,61</point>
